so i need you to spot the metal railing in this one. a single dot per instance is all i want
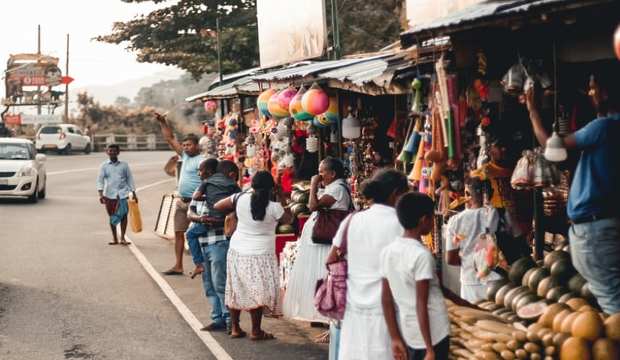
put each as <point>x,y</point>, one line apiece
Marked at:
<point>149,142</point>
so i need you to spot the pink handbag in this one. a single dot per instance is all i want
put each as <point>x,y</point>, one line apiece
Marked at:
<point>330,297</point>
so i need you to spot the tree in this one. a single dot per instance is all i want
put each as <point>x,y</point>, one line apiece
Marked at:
<point>183,34</point>
<point>122,101</point>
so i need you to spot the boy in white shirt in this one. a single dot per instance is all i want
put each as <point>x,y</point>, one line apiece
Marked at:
<point>410,282</point>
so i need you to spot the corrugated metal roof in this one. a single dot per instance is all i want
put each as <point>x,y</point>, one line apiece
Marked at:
<point>298,72</point>
<point>234,76</point>
<point>486,10</point>
<point>242,86</point>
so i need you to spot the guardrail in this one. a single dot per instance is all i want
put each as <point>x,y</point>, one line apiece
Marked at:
<point>149,142</point>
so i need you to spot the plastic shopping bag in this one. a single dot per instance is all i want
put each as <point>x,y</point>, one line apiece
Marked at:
<point>135,219</point>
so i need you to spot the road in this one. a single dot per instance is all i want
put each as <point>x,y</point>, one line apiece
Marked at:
<point>66,294</point>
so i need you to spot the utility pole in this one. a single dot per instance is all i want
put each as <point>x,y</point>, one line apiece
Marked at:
<point>67,84</point>
<point>219,55</point>
<point>38,60</point>
<point>335,30</point>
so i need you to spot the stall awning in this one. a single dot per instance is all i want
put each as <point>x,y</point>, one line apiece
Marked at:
<point>488,13</point>
<point>243,86</point>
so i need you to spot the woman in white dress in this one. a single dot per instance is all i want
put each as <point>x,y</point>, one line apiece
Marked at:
<point>252,267</point>
<point>328,190</point>
<point>364,334</point>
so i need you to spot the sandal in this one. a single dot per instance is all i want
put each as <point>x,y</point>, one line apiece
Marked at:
<point>113,243</point>
<point>172,272</point>
<point>262,336</point>
<point>240,335</point>
<point>196,272</point>
<point>322,338</point>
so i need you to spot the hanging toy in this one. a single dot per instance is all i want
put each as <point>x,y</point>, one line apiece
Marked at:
<point>416,86</point>
<point>315,101</point>
<point>263,100</point>
<point>296,109</point>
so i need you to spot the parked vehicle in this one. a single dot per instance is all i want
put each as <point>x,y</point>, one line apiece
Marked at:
<point>22,170</point>
<point>62,138</point>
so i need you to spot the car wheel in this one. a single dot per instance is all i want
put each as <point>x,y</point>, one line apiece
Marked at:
<point>35,194</point>
<point>67,149</point>
<point>87,149</point>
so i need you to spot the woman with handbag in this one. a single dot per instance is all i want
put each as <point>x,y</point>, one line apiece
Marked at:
<point>329,195</point>
<point>252,268</point>
<point>364,334</point>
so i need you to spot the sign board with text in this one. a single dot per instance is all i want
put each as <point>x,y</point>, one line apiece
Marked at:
<point>28,119</point>
<point>290,31</point>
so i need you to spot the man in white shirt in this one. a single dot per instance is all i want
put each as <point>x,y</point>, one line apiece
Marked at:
<point>114,184</point>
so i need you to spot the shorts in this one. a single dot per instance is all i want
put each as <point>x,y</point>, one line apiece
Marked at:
<point>181,222</point>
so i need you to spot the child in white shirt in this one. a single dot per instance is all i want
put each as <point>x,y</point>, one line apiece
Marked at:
<point>418,324</point>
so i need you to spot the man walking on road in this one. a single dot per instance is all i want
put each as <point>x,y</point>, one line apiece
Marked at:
<point>189,180</point>
<point>114,184</point>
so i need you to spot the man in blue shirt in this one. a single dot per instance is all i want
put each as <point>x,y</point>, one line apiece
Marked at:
<point>114,184</point>
<point>594,199</point>
<point>189,180</point>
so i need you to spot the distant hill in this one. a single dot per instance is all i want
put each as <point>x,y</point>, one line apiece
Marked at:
<point>107,94</point>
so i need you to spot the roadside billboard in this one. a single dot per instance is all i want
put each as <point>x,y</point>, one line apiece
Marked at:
<point>420,12</point>
<point>28,119</point>
<point>290,30</point>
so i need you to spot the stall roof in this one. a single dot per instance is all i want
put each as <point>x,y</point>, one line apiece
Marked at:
<point>234,76</point>
<point>241,86</point>
<point>481,14</point>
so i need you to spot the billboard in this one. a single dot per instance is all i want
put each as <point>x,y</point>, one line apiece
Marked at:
<point>420,12</point>
<point>290,30</point>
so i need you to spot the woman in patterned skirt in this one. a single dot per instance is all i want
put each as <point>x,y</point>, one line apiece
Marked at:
<point>252,267</point>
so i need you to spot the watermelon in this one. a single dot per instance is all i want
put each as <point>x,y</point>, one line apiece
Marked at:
<point>519,268</point>
<point>532,311</point>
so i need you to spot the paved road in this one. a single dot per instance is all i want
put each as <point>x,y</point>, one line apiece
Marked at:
<point>65,294</point>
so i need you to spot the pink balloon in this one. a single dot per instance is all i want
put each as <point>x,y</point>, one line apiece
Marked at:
<point>315,101</point>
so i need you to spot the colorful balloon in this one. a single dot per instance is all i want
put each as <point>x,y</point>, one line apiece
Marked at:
<point>285,96</point>
<point>263,100</point>
<point>315,101</point>
<point>210,106</point>
<point>273,105</point>
<point>332,111</point>
<point>296,109</point>
<point>617,42</point>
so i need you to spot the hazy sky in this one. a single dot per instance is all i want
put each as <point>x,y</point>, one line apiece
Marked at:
<point>92,62</point>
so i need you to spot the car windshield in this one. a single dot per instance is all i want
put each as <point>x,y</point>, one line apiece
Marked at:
<point>15,152</point>
<point>51,130</point>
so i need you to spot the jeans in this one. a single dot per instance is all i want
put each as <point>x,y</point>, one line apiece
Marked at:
<point>595,251</point>
<point>214,279</point>
<point>441,349</point>
<point>192,234</point>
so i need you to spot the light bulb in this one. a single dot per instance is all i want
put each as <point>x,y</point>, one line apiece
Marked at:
<point>554,149</point>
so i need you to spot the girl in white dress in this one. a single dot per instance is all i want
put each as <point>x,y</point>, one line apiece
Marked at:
<point>364,334</point>
<point>328,190</point>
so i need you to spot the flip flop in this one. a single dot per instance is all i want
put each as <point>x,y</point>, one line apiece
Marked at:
<point>172,272</point>
<point>125,242</point>
<point>196,273</point>
<point>263,336</point>
<point>240,335</point>
<point>113,243</point>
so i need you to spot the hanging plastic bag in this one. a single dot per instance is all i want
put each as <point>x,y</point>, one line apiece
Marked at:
<point>520,179</point>
<point>135,219</point>
<point>487,256</point>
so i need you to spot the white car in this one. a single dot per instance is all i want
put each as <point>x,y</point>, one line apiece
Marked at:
<point>63,138</point>
<point>22,170</point>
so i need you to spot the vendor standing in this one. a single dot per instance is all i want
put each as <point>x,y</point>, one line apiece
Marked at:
<point>594,195</point>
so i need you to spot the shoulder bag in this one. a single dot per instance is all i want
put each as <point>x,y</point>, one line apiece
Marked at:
<point>328,221</point>
<point>330,297</point>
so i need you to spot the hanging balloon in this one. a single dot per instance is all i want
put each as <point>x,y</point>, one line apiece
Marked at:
<point>210,106</point>
<point>285,97</point>
<point>263,100</point>
<point>273,105</point>
<point>315,101</point>
<point>332,111</point>
<point>296,109</point>
<point>617,42</point>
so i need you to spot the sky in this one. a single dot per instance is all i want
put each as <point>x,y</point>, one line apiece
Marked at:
<point>92,63</point>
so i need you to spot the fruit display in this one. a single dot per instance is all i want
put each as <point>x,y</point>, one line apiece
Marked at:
<point>543,311</point>
<point>299,199</point>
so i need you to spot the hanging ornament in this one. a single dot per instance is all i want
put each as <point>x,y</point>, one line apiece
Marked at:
<point>262,102</point>
<point>210,106</point>
<point>273,105</point>
<point>296,109</point>
<point>351,127</point>
<point>321,121</point>
<point>315,101</point>
<point>312,144</point>
<point>416,86</point>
